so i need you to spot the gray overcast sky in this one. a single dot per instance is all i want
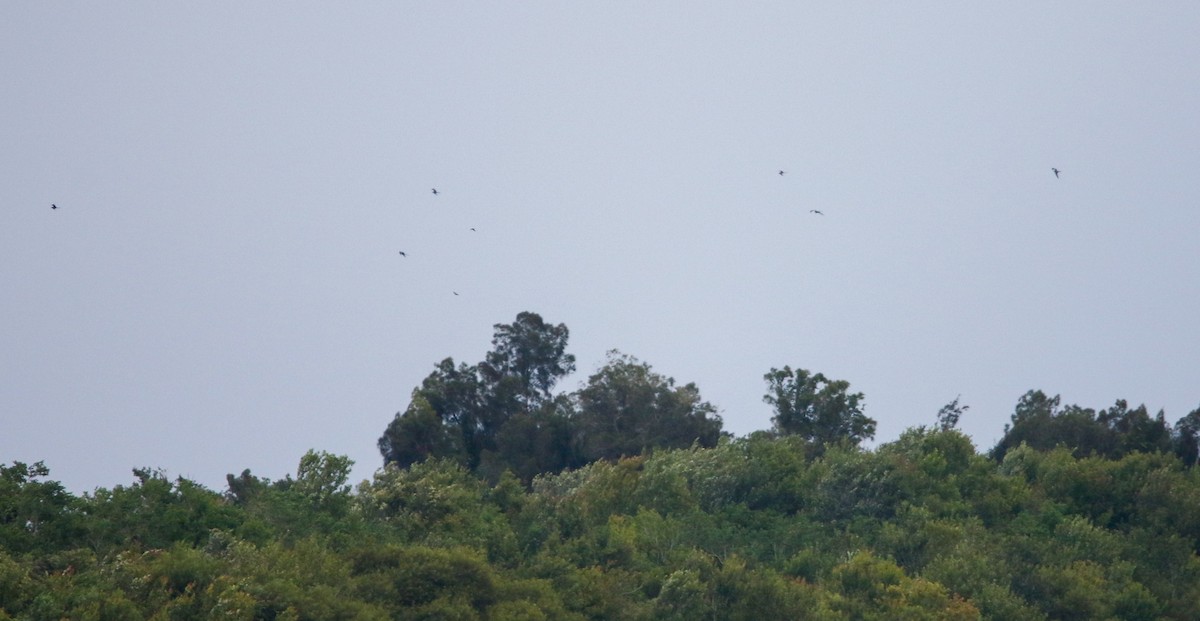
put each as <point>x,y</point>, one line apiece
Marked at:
<point>220,287</point>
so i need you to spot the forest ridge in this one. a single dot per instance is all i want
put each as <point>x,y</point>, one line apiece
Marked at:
<point>501,500</point>
<point>501,414</point>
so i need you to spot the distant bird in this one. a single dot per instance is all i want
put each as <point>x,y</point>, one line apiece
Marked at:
<point>435,191</point>
<point>454,292</point>
<point>403,254</point>
<point>781,173</point>
<point>472,228</point>
<point>1056,171</point>
<point>816,211</point>
<point>53,206</point>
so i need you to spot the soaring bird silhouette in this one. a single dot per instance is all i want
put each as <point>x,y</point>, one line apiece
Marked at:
<point>781,173</point>
<point>472,228</point>
<point>816,211</point>
<point>53,206</point>
<point>1056,171</point>
<point>454,292</point>
<point>435,191</point>
<point>403,254</point>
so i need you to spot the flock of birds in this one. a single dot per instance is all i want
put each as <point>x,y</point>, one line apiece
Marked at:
<point>405,254</point>
<point>781,173</point>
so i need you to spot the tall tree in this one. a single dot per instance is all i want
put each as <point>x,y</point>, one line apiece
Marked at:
<point>626,408</point>
<point>530,355</point>
<point>814,407</point>
<point>458,412</point>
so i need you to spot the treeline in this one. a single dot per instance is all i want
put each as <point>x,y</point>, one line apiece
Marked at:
<point>754,528</point>
<point>1076,514</point>
<point>501,414</point>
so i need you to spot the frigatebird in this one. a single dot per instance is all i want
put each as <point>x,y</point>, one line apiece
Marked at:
<point>1056,171</point>
<point>816,211</point>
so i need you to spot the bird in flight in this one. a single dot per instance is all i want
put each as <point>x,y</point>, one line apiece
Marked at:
<point>816,211</point>
<point>1056,171</point>
<point>454,292</point>
<point>53,206</point>
<point>472,228</point>
<point>781,173</point>
<point>403,254</point>
<point>435,191</point>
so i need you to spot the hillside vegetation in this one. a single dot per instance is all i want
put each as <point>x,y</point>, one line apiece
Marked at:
<point>503,501</point>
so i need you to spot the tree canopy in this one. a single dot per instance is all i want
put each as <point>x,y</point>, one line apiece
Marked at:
<point>1041,422</point>
<point>816,408</point>
<point>626,408</point>
<point>502,414</point>
<point>502,500</point>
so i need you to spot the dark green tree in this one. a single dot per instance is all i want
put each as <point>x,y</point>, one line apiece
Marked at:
<point>459,412</point>
<point>419,433</point>
<point>532,443</point>
<point>1040,422</point>
<point>626,408</point>
<point>443,419</point>
<point>528,358</point>
<point>1135,430</point>
<point>35,514</point>
<point>816,408</point>
<point>1185,439</point>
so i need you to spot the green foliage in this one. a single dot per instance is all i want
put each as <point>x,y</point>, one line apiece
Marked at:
<point>15,583</point>
<point>874,588</point>
<point>1040,422</point>
<point>501,414</point>
<point>1185,438</point>
<point>532,354</point>
<point>626,409</point>
<point>531,443</point>
<point>35,515</point>
<point>816,408</point>
<point>440,503</point>
<point>461,412</point>
<point>155,512</point>
<point>442,420</point>
<point>760,527</point>
<point>321,478</point>
<point>317,501</point>
<point>488,511</point>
